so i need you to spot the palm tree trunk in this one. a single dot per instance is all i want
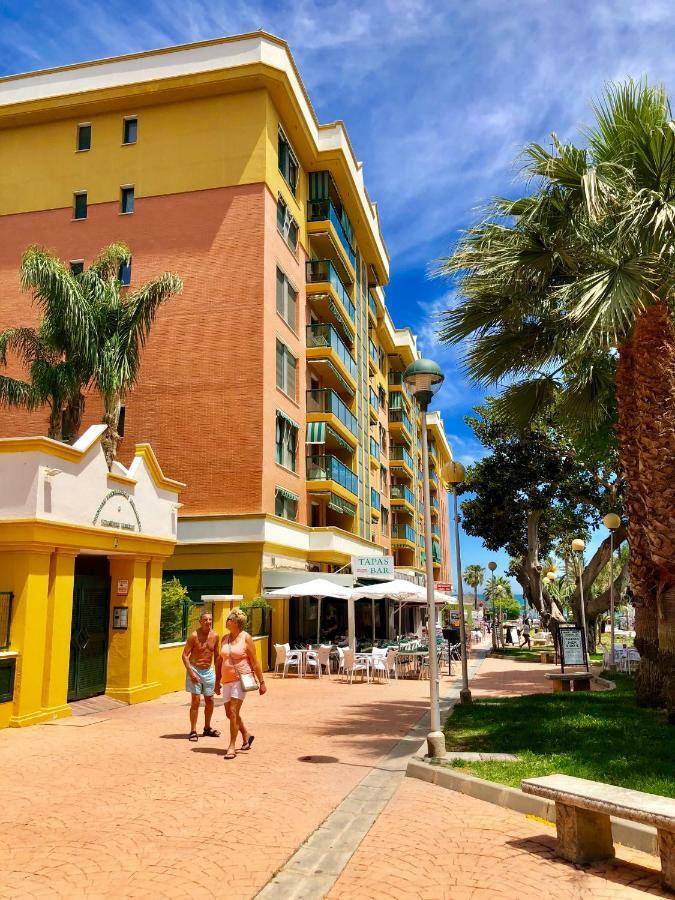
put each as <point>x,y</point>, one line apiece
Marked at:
<point>646,430</point>
<point>111,438</point>
<point>72,419</point>
<point>55,423</point>
<point>475,597</point>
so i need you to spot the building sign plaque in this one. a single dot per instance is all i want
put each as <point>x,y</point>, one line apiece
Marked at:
<point>373,567</point>
<point>118,510</point>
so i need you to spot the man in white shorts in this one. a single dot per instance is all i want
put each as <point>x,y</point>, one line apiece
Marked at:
<point>201,648</point>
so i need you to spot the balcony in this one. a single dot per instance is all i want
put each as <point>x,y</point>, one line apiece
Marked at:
<point>399,457</point>
<point>324,344</point>
<point>399,422</point>
<point>436,530</point>
<point>322,467</point>
<point>324,283</point>
<point>403,534</point>
<point>375,501</point>
<point>396,383</point>
<point>402,495</point>
<point>374,404</point>
<point>327,221</point>
<point>374,449</point>
<point>373,355</point>
<point>324,405</point>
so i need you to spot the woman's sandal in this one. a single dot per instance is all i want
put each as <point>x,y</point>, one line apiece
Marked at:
<point>247,743</point>
<point>211,732</point>
<point>230,755</point>
<point>193,736</point>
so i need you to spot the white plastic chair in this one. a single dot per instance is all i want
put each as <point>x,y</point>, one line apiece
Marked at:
<point>312,662</point>
<point>285,658</point>
<point>323,654</point>
<point>391,663</point>
<point>352,664</point>
<point>379,662</point>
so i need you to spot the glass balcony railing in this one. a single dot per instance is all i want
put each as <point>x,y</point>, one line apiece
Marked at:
<point>398,415</point>
<point>325,335</point>
<point>436,530</point>
<point>401,492</point>
<point>372,305</point>
<point>398,452</point>
<point>323,270</point>
<point>374,448</point>
<point>372,349</point>
<point>323,467</point>
<point>375,499</point>
<point>323,400</point>
<point>403,533</point>
<point>374,402</point>
<point>322,211</point>
<point>435,504</point>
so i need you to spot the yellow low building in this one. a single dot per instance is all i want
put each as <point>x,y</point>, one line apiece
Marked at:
<point>82,551</point>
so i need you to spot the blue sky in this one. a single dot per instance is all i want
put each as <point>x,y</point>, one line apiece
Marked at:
<point>438,97</point>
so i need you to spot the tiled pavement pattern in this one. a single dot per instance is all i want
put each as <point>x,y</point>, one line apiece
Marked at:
<point>127,807</point>
<point>433,844</point>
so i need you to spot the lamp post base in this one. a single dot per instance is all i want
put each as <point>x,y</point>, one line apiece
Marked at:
<point>465,695</point>
<point>435,744</point>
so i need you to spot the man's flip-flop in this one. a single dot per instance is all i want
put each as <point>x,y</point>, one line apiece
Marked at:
<point>247,743</point>
<point>230,755</point>
<point>211,732</point>
<point>193,736</point>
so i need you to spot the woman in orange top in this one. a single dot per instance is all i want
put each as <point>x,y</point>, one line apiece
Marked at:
<point>237,657</point>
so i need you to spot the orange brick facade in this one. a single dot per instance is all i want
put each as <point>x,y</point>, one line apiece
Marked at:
<point>206,397</point>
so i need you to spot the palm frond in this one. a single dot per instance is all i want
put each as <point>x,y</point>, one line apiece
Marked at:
<point>108,262</point>
<point>522,403</point>
<point>14,392</point>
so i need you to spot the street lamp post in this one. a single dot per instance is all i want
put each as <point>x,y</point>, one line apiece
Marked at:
<point>423,378</point>
<point>492,567</point>
<point>454,475</point>
<point>611,522</point>
<point>578,546</point>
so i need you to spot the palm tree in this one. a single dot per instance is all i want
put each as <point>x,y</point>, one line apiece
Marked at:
<point>474,576</point>
<point>567,293</point>
<point>92,332</point>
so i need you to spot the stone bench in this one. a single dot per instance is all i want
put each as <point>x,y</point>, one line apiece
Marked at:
<point>579,681</point>
<point>583,808</point>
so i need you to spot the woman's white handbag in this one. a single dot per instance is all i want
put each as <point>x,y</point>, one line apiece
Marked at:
<point>248,682</point>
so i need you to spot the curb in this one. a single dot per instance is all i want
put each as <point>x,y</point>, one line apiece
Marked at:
<point>630,834</point>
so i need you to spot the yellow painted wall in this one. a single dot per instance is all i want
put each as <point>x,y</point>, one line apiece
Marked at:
<point>192,145</point>
<point>277,184</point>
<point>246,565</point>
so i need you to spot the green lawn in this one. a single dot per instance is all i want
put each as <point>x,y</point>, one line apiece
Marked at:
<point>601,735</point>
<point>532,655</point>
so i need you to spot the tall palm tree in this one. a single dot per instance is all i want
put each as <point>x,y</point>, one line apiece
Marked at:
<point>474,575</point>
<point>92,333</point>
<point>567,294</point>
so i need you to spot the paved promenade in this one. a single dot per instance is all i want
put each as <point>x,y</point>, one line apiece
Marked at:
<point>120,805</point>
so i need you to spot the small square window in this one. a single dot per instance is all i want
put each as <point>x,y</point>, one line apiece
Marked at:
<point>84,137</point>
<point>124,273</point>
<point>130,133</point>
<point>127,200</point>
<point>76,266</point>
<point>80,205</point>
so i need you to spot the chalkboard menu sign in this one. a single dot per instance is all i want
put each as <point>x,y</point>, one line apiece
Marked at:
<point>572,646</point>
<point>513,632</point>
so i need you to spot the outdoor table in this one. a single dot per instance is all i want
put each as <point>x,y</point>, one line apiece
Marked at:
<point>303,657</point>
<point>414,655</point>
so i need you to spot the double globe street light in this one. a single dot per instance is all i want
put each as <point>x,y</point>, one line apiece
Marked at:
<point>423,379</point>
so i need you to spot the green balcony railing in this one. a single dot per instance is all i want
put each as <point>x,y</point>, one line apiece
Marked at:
<point>322,211</point>
<point>403,533</point>
<point>398,452</point>
<point>325,335</point>
<point>323,400</point>
<point>323,467</point>
<point>401,492</point>
<point>398,415</point>
<point>318,271</point>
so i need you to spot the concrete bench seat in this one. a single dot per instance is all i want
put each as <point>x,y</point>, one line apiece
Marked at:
<point>580,681</point>
<point>583,808</point>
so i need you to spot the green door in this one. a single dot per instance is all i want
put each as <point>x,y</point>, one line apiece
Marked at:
<point>89,637</point>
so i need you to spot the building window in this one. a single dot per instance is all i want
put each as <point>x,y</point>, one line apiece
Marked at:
<point>287,367</point>
<point>84,137</point>
<point>286,504</point>
<point>80,205</point>
<point>127,199</point>
<point>76,266</point>
<point>288,164</point>
<point>124,273</point>
<point>130,131</point>
<point>287,225</point>
<point>286,442</point>
<point>121,420</point>
<point>287,300</point>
